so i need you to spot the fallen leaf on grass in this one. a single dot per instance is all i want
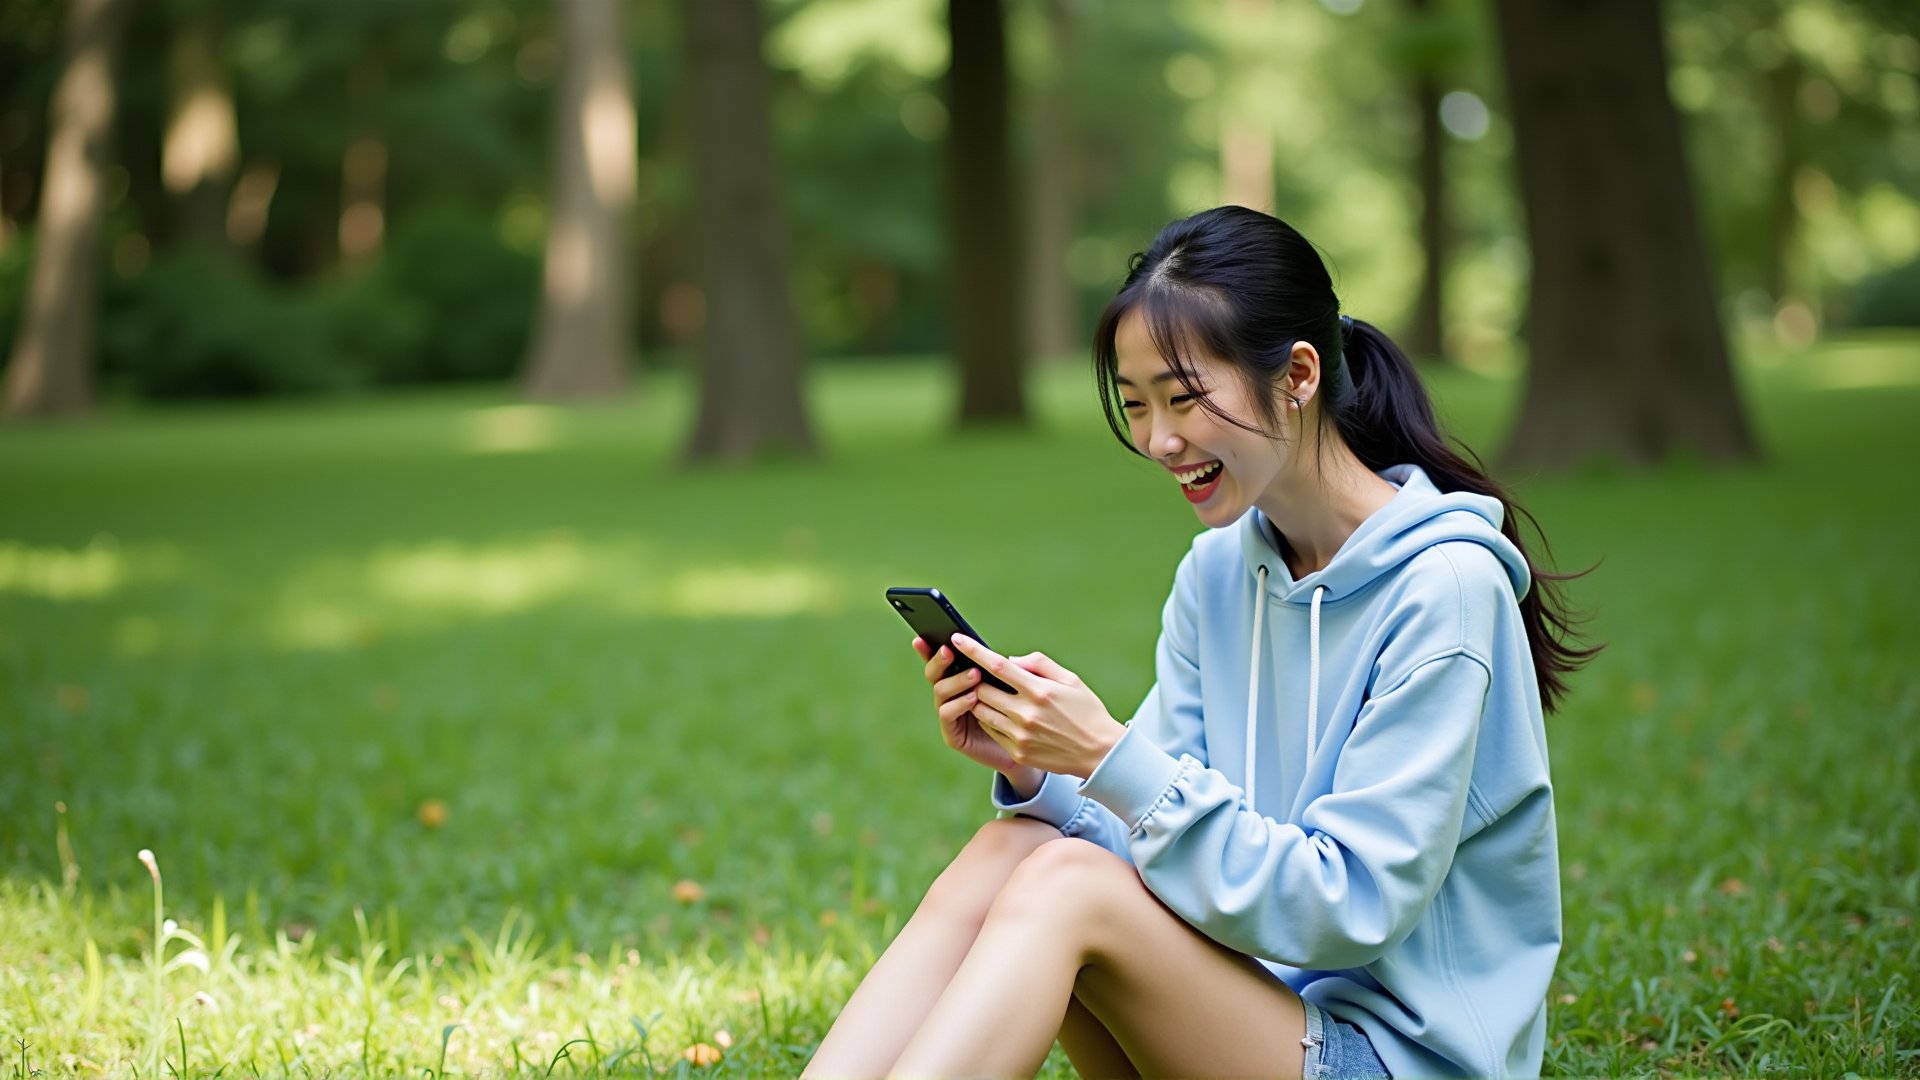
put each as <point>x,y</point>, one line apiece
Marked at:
<point>723,1039</point>
<point>1733,886</point>
<point>1729,1009</point>
<point>688,891</point>
<point>703,1055</point>
<point>433,813</point>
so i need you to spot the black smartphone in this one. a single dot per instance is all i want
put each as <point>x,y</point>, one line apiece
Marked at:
<point>936,620</point>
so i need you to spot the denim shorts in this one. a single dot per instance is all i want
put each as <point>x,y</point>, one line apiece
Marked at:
<point>1336,1050</point>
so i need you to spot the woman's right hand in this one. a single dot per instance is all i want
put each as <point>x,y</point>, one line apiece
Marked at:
<point>954,698</point>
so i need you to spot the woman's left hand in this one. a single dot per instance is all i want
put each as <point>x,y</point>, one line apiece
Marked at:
<point>1054,722</point>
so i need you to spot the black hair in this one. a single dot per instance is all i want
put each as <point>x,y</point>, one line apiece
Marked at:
<point>1246,287</point>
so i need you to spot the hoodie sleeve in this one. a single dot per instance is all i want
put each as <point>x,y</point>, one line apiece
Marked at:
<point>1169,717</point>
<point>1359,873</point>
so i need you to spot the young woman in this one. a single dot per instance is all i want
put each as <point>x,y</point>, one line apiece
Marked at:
<point>1324,845</point>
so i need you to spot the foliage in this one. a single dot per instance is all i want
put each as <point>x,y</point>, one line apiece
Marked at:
<point>448,264</point>
<point>195,324</point>
<point>448,301</point>
<point>1803,124</point>
<point>446,712</point>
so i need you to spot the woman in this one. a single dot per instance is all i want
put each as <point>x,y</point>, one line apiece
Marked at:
<point>1324,845</point>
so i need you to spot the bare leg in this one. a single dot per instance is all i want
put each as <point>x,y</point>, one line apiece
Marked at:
<point>896,995</point>
<point>1077,919</point>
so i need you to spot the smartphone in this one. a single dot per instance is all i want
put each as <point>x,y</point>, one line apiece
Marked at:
<point>936,620</point>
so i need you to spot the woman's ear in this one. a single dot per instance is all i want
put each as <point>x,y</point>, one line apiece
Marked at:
<point>1302,378</point>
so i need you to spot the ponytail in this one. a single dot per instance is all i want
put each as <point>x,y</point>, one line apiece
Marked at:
<point>1382,412</point>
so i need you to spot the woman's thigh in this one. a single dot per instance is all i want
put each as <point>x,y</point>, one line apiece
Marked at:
<point>1177,1002</point>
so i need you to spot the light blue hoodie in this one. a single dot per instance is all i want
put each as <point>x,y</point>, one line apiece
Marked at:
<point>1390,855</point>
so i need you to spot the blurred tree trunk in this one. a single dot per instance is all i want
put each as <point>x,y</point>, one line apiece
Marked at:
<point>986,265</point>
<point>201,146</point>
<point>583,337</point>
<point>1246,144</point>
<point>1053,183</point>
<point>1426,336</point>
<point>51,370</point>
<point>363,168</point>
<point>1628,358</point>
<point>751,392</point>
<point>1782,98</point>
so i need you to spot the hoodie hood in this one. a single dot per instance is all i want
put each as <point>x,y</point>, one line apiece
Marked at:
<point>1418,517</point>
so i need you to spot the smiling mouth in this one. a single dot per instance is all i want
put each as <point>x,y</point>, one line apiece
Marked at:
<point>1200,478</point>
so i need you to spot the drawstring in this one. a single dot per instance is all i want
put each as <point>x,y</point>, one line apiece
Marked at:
<point>1313,673</point>
<point>1253,680</point>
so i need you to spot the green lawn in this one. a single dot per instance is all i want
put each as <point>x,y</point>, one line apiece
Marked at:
<point>439,711</point>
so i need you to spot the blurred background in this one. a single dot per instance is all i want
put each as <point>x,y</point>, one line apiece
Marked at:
<point>282,197</point>
<point>453,455</point>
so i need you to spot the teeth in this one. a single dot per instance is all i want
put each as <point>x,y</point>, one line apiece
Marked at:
<point>1192,475</point>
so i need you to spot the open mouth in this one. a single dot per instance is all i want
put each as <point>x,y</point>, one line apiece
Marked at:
<point>1198,483</point>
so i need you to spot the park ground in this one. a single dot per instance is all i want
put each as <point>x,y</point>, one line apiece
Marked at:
<point>474,737</point>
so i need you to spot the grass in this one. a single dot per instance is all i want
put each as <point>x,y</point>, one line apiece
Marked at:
<point>480,738</point>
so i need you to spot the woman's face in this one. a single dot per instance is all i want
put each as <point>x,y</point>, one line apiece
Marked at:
<point>1221,469</point>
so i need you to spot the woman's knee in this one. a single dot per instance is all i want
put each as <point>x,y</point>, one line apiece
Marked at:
<point>1067,879</point>
<point>967,887</point>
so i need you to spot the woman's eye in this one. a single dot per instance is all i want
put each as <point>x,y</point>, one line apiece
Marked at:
<point>1183,399</point>
<point>1131,405</point>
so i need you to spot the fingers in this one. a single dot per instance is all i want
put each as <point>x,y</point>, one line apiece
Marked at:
<point>938,662</point>
<point>920,646</point>
<point>1044,666</point>
<point>996,725</point>
<point>953,710</point>
<point>956,685</point>
<point>1002,668</point>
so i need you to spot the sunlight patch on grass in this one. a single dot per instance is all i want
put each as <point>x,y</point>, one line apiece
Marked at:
<point>491,579</point>
<point>511,429</point>
<point>99,569</point>
<point>1865,369</point>
<point>752,592</point>
<point>341,602</point>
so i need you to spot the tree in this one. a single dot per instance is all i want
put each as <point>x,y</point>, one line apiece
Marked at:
<point>201,148</point>
<point>987,291</point>
<point>1628,358</point>
<point>1053,184</point>
<point>1426,334</point>
<point>51,371</point>
<point>583,336</point>
<point>750,391</point>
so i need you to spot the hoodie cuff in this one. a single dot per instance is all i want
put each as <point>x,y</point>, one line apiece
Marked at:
<point>1132,778</point>
<point>1055,803</point>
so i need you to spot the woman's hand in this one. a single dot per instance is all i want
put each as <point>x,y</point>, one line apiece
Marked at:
<point>954,699</point>
<point>1053,722</point>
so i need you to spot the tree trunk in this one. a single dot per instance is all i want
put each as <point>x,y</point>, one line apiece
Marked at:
<point>363,168</point>
<point>583,337</point>
<point>51,371</point>
<point>1789,154</point>
<point>987,289</point>
<point>1247,145</point>
<point>1054,333</point>
<point>201,147</point>
<point>1628,358</point>
<point>1426,336</point>
<point>751,392</point>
